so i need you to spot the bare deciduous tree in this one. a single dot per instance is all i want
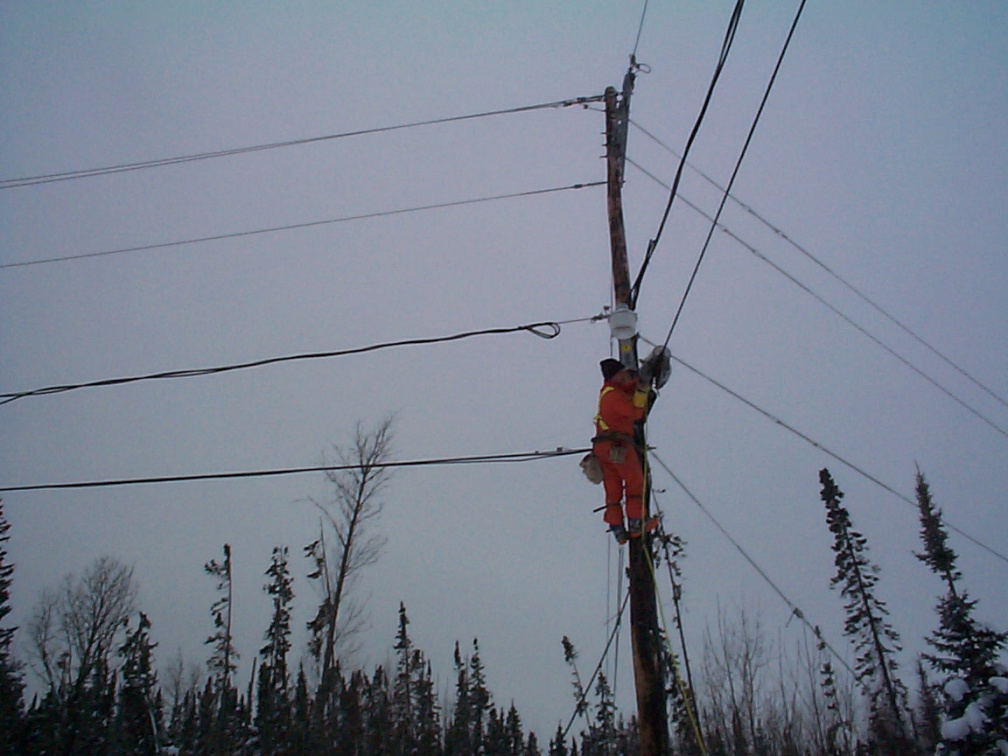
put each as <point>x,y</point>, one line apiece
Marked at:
<point>75,629</point>
<point>734,664</point>
<point>346,543</point>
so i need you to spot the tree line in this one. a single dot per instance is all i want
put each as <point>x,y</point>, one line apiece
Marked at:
<point>91,648</point>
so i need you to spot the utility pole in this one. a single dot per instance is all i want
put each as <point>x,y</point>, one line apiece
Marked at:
<point>648,679</point>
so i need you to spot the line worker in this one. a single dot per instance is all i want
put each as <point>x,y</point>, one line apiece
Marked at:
<point>624,400</point>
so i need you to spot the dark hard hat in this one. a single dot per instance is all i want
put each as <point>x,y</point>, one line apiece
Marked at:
<point>610,367</point>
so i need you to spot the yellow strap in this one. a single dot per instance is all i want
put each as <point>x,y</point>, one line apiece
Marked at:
<point>640,398</point>
<point>602,424</point>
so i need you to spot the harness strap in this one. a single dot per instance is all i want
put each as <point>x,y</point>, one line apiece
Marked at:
<point>602,424</point>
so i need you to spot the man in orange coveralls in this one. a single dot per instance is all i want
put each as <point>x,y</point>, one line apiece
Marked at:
<point>622,402</point>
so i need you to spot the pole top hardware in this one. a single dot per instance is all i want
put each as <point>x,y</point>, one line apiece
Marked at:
<point>623,323</point>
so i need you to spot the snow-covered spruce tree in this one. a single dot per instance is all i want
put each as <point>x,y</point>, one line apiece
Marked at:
<point>973,682</point>
<point>875,641</point>
<point>927,715</point>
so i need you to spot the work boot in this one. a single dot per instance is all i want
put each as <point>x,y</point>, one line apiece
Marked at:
<point>619,533</point>
<point>635,527</point>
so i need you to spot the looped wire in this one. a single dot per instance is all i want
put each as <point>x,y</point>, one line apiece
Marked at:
<point>545,330</point>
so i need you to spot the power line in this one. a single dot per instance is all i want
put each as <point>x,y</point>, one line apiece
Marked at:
<point>533,456</point>
<point>850,321</point>
<point>738,165</point>
<point>722,59</point>
<point>309,224</point>
<point>543,329</point>
<point>762,573</point>
<point>640,28</point>
<point>16,183</point>
<point>779,232</point>
<point>605,653</point>
<point>812,442</point>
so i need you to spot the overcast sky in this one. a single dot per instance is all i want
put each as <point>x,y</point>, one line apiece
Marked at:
<point>882,153</point>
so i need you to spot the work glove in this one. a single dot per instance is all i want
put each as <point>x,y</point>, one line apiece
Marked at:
<point>658,365</point>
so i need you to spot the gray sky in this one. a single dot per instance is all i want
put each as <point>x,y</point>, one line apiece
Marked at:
<point>883,152</point>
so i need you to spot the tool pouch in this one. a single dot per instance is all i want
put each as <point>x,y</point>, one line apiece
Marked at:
<point>617,454</point>
<point>592,468</point>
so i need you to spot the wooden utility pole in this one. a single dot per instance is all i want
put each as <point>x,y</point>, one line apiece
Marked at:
<point>648,677</point>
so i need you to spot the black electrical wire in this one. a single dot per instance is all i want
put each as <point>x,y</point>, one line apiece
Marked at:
<point>722,59</point>
<point>533,456</point>
<point>762,573</point>
<point>640,28</point>
<point>815,444</point>
<point>850,321</point>
<point>780,233</point>
<point>738,165</point>
<point>605,652</point>
<point>293,226</point>
<point>15,183</point>
<point>543,329</point>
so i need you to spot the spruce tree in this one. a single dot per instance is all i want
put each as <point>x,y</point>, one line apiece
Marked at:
<point>138,720</point>
<point>300,737</point>
<point>480,699</point>
<point>223,658</point>
<point>513,732</point>
<point>580,697</point>
<point>558,743</point>
<point>973,683</point>
<point>426,708</point>
<point>273,710</point>
<point>416,715</point>
<point>11,682</point>
<point>875,641</point>
<point>457,737</point>
<point>222,722</point>
<point>378,720</point>
<point>403,723</point>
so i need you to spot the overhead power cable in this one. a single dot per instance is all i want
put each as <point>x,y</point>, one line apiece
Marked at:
<point>850,321</point>
<point>545,329</point>
<point>640,28</point>
<point>481,459</point>
<point>15,183</point>
<point>779,232</point>
<point>309,224</point>
<point>722,59</point>
<point>812,442</point>
<point>738,165</point>
<point>795,611</point>
<point>605,652</point>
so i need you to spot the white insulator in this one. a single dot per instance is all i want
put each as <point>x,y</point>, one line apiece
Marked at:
<point>623,323</point>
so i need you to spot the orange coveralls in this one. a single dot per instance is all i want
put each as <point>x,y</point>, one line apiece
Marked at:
<point>613,436</point>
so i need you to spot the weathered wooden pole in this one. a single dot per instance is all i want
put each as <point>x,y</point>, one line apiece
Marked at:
<point>648,678</point>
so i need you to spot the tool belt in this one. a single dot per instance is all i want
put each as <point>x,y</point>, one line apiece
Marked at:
<point>620,442</point>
